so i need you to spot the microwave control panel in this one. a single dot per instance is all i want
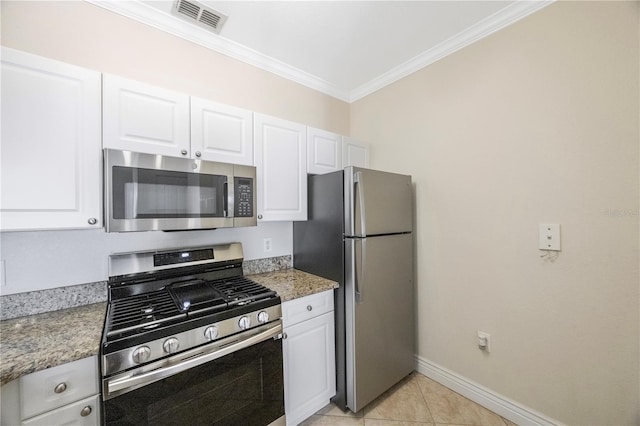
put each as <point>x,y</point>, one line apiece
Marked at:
<point>243,188</point>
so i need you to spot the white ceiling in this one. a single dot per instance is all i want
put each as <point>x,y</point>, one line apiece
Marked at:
<point>347,49</point>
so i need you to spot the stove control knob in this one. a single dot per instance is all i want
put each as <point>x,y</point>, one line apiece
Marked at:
<point>263,317</point>
<point>244,323</point>
<point>211,332</point>
<point>171,345</point>
<point>141,354</point>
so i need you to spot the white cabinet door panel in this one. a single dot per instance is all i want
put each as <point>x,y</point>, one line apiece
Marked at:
<point>51,156</point>
<point>144,118</point>
<point>281,162</point>
<point>355,153</point>
<point>324,151</point>
<point>309,372</point>
<point>221,132</point>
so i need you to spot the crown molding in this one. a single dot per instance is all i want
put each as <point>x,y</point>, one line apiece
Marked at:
<point>483,28</point>
<point>153,17</point>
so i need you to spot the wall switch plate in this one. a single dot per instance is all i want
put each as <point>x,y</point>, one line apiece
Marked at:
<point>484,341</point>
<point>549,236</point>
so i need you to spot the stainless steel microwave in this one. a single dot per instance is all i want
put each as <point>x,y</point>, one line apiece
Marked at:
<point>146,192</point>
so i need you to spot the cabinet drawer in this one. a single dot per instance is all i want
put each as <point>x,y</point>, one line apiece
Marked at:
<point>79,379</point>
<point>304,308</point>
<point>84,413</point>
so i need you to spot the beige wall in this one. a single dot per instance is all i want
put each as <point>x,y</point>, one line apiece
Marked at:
<point>83,34</point>
<point>535,124</point>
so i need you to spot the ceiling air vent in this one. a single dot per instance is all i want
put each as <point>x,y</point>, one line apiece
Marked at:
<point>199,14</point>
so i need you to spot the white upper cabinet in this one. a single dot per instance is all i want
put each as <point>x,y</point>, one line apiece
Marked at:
<point>50,162</point>
<point>144,118</point>
<point>354,153</point>
<point>221,132</point>
<point>281,162</point>
<point>324,151</point>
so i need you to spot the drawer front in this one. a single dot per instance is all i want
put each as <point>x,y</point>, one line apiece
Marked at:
<point>304,308</point>
<point>73,381</point>
<point>84,413</point>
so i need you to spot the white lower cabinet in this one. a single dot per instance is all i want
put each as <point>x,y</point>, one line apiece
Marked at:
<point>309,355</point>
<point>64,395</point>
<point>85,413</point>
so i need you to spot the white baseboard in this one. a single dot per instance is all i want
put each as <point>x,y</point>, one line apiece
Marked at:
<point>489,399</point>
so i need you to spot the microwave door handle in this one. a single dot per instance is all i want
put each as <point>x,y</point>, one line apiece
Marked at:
<point>225,196</point>
<point>228,199</point>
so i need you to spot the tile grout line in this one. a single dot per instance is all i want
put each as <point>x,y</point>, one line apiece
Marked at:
<point>433,421</point>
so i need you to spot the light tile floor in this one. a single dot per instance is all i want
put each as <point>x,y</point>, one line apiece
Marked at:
<point>416,400</point>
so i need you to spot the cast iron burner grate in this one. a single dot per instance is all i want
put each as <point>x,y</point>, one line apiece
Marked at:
<point>241,291</point>
<point>142,312</point>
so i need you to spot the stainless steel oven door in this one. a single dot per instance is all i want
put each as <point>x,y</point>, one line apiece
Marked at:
<point>145,192</point>
<point>235,381</point>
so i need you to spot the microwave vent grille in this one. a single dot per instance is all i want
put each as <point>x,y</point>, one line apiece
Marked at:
<point>199,14</point>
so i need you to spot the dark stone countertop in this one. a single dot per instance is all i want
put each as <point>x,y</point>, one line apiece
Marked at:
<point>37,342</point>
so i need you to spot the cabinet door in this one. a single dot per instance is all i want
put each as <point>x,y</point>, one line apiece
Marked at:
<point>143,118</point>
<point>355,153</point>
<point>50,163</point>
<point>309,367</point>
<point>221,132</point>
<point>324,151</point>
<point>281,163</point>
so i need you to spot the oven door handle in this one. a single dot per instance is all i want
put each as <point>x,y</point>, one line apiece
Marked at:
<point>185,361</point>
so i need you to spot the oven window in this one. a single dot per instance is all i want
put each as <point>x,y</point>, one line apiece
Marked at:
<point>243,388</point>
<point>156,194</point>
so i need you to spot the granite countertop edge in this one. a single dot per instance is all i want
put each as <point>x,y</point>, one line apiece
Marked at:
<point>37,342</point>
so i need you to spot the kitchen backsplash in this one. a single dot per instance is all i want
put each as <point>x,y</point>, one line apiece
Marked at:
<point>35,302</point>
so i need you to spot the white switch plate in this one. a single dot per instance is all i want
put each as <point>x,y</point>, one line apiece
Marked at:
<point>484,341</point>
<point>549,236</point>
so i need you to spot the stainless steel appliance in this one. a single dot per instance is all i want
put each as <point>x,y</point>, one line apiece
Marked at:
<point>359,233</point>
<point>145,192</point>
<point>189,340</point>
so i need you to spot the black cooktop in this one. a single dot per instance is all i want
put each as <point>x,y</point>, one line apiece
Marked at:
<point>174,302</point>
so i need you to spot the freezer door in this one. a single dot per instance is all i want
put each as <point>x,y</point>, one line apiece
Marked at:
<point>379,299</point>
<point>377,203</point>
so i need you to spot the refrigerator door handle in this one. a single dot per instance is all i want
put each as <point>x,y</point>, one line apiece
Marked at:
<point>359,188</point>
<point>359,278</point>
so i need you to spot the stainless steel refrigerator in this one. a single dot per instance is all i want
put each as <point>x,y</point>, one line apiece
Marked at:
<point>359,233</point>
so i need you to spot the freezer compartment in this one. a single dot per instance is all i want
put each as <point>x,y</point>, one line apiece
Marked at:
<point>379,315</point>
<point>377,203</point>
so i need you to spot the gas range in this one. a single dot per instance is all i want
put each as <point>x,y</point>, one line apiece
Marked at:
<point>163,303</point>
